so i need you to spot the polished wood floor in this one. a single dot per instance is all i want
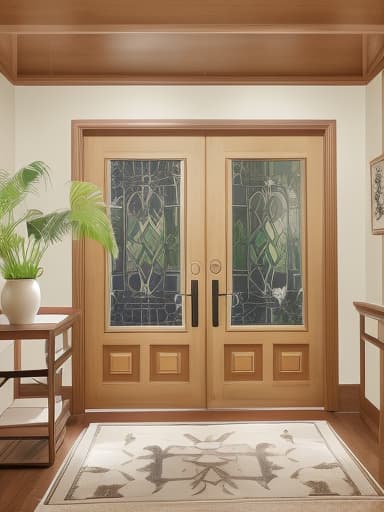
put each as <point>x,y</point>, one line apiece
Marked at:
<point>21,489</point>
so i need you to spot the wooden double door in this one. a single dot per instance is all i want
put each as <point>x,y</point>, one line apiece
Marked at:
<point>216,298</point>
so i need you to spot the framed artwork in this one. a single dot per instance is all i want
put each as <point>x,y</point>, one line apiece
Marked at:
<point>377,195</point>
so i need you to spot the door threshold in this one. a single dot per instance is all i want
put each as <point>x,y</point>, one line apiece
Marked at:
<point>210,410</point>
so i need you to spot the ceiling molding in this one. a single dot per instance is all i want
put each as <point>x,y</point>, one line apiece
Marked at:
<point>189,80</point>
<point>192,29</point>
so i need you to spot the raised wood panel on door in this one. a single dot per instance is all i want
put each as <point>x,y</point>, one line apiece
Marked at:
<point>270,391</point>
<point>176,377</point>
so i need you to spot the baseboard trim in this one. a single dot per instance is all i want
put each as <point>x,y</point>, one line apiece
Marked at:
<point>349,397</point>
<point>370,415</point>
<point>219,409</point>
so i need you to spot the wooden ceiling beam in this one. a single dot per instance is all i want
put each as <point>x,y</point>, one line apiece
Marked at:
<point>192,29</point>
<point>374,49</point>
<point>8,56</point>
<point>199,55</point>
<point>270,12</point>
<point>136,58</point>
<point>196,42</point>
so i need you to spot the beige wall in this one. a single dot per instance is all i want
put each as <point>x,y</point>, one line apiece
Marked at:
<point>373,243</point>
<point>44,114</point>
<point>42,118</point>
<point>7,147</point>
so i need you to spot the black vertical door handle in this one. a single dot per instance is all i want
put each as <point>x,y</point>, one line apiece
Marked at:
<point>195,302</point>
<point>215,303</point>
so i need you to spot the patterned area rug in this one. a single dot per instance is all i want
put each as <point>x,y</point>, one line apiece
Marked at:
<point>211,467</point>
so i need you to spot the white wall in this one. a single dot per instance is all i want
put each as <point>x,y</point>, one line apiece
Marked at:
<point>7,139</point>
<point>373,243</point>
<point>43,131</point>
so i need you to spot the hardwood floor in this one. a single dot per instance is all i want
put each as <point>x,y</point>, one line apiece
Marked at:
<point>21,489</point>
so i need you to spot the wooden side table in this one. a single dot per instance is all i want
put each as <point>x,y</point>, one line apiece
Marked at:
<point>32,427</point>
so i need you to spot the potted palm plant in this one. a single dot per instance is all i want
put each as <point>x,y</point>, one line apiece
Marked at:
<point>25,235</point>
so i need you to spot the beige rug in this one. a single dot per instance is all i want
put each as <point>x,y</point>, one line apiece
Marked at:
<point>212,467</point>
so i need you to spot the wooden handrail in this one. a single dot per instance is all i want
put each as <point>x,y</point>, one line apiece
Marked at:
<point>371,310</point>
<point>376,312</point>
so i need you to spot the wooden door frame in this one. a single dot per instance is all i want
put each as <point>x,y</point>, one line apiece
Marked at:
<point>324,128</point>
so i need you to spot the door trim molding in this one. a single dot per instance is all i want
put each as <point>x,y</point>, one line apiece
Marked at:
<point>324,128</point>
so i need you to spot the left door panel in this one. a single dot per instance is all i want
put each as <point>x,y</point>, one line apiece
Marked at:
<point>145,311</point>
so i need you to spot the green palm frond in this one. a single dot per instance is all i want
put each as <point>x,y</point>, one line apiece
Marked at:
<point>9,241</point>
<point>14,189</point>
<point>22,261</point>
<point>51,228</point>
<point>88,215</point>
<point>27,217</point>
<point>86,218</point>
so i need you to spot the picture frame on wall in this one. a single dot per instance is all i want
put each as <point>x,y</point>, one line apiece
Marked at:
<point>377,195</point>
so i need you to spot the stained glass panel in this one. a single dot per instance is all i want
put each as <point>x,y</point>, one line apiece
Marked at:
<point>266,242</point>
<point>147,215</point>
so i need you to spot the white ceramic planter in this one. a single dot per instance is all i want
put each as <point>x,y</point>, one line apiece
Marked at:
<point>20,300</point>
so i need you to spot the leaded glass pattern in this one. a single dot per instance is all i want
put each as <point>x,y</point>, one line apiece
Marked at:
<point>145,281</point>
<point>267,242</point>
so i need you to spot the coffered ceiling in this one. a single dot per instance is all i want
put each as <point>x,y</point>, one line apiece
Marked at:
<point>191,42</point>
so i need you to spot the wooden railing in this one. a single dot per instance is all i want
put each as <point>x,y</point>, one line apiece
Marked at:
<point>377,313</point>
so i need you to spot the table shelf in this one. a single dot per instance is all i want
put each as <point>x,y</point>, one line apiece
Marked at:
<point>32,427</point>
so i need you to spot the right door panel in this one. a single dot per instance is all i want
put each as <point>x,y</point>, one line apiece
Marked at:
<point>265,263</point>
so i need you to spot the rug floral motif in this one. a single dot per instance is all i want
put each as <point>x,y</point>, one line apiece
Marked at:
<point>158,462</point>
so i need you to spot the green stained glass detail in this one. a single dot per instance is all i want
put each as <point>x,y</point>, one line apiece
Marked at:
<point>266,242</point>
<point>146,218</point>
